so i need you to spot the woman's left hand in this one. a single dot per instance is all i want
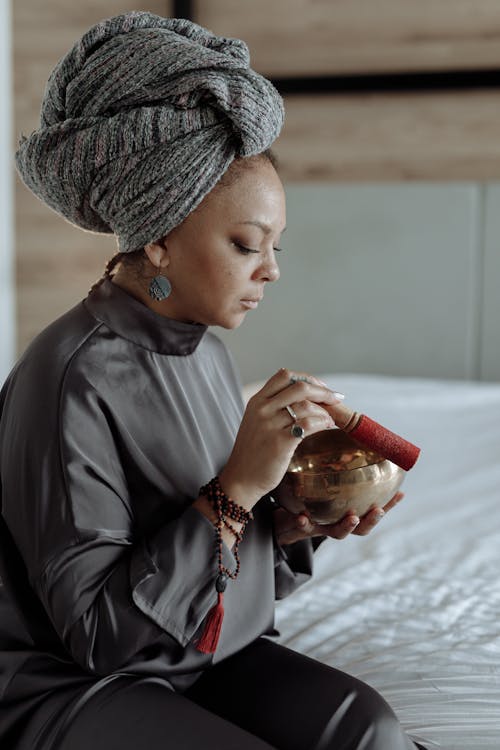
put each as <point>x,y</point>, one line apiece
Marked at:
<point>290,528</point>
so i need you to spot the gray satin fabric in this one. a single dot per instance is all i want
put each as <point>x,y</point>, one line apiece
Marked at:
<point>111,421</point>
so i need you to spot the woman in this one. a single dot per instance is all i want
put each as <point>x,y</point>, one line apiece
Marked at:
<point>141,551</point>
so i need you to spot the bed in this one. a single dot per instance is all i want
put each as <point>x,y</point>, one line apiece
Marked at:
<point>414,608</point>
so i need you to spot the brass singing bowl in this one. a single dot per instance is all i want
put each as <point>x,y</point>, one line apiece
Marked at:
<point>331,474</point>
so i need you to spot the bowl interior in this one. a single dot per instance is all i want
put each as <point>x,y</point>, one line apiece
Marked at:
<point>331,451</point>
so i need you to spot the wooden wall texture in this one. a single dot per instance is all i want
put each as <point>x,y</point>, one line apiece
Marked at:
<point>392,136</point>
<point>318,37</point>
<point>375,136</point>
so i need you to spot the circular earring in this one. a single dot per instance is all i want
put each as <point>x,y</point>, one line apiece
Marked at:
<point>159,287</point>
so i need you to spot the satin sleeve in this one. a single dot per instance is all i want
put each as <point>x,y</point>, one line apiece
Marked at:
<point>293,565</point>
<point>110,590</point>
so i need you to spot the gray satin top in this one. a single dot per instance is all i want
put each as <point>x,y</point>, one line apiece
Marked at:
<point>110,423</point>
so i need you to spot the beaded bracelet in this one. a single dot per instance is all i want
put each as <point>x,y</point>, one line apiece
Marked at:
<point>225,508</point>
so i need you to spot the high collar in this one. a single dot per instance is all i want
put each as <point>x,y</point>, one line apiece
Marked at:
<point>132,320</point>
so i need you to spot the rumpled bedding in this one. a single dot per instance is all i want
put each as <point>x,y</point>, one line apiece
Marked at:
<point>414,608</point>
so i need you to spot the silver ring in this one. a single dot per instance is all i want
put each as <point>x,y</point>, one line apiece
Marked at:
<point>291,413</point>
<point>299,379</point>
<point>297,431</point>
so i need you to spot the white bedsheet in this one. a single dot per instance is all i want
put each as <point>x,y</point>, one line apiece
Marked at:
<point>414,608</point>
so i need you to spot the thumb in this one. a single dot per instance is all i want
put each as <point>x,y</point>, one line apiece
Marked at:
<point>304,524</point>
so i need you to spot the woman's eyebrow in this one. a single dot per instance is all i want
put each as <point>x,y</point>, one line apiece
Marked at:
<point>265,227</point>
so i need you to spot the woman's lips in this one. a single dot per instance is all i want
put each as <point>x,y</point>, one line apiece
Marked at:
<point>250,304</point>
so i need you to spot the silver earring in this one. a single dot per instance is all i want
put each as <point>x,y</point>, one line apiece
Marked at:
<point>160,287</point>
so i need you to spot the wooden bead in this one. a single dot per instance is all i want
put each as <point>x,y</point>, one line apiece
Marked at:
<point>225,508</point>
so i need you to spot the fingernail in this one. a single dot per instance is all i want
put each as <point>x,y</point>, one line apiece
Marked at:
<point>353,521</point>
<point>337,394</point>
<point>380,514</point>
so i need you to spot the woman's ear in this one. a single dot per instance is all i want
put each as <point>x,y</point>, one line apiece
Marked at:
<point>157,254</point>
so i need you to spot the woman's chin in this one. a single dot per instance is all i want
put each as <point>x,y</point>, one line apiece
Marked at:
<point>231,321</point>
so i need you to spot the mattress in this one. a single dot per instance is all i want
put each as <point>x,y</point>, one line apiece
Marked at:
<point>414,608</point>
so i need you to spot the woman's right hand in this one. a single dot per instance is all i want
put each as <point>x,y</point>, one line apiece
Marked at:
<point>264,444</point>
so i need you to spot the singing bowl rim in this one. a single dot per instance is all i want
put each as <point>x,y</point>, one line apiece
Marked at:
<point>317,472</point>
<point>342,438</point>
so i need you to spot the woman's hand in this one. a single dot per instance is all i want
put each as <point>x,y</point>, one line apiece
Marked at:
<point>290,528</point>
<point>264,444</point>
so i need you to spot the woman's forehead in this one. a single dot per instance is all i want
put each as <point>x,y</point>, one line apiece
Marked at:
<point>264,226</point>
<point>255,197</point>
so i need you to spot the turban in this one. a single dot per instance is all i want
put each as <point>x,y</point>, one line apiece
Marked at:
<point>140,120</point>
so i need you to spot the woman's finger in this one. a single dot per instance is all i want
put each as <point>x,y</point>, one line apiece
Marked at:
<point>395,499</point>
<point>301,428</point>
<point>374,515</point>
<point>277,382</point>
<point>298,412</point>
<point>301,393</point>
<point>286,378</point>
<point>342,528</point>
<point>369,521</point>
<point>291,528</point>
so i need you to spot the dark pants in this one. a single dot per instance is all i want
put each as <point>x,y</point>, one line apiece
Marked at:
<point>266,696</point>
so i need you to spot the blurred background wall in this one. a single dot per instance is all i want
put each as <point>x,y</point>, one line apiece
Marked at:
<point>390,157</point>
<point>7,281</point>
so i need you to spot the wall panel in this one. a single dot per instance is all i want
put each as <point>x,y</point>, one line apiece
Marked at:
<point>433,133</point>
<point>490,322</point>
<point>378,279</point>
<point>396,136</point>
<point>320,37</point>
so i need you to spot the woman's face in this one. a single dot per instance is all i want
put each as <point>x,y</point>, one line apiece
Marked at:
<point>221,257</point>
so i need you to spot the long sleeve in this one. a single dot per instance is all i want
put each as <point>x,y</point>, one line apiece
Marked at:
<point>110,587</point>
<point>293,565</point>
<point>112,421</point>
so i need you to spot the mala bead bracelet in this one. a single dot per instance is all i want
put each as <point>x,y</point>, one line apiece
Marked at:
<point>225,508</point>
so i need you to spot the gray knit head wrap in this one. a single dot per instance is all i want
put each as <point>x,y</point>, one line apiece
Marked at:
<point>140,120</point>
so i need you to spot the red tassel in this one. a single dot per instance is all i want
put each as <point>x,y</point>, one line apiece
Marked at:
<point>213,625</point>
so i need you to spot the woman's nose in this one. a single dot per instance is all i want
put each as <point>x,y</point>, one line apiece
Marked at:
<point>269,269</point>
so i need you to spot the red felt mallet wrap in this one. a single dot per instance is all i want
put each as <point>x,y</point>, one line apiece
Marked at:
<point>387,443</point>
<point>372,435</point>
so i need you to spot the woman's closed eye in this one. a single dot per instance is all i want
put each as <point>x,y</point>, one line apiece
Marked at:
<point>246,250</point>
